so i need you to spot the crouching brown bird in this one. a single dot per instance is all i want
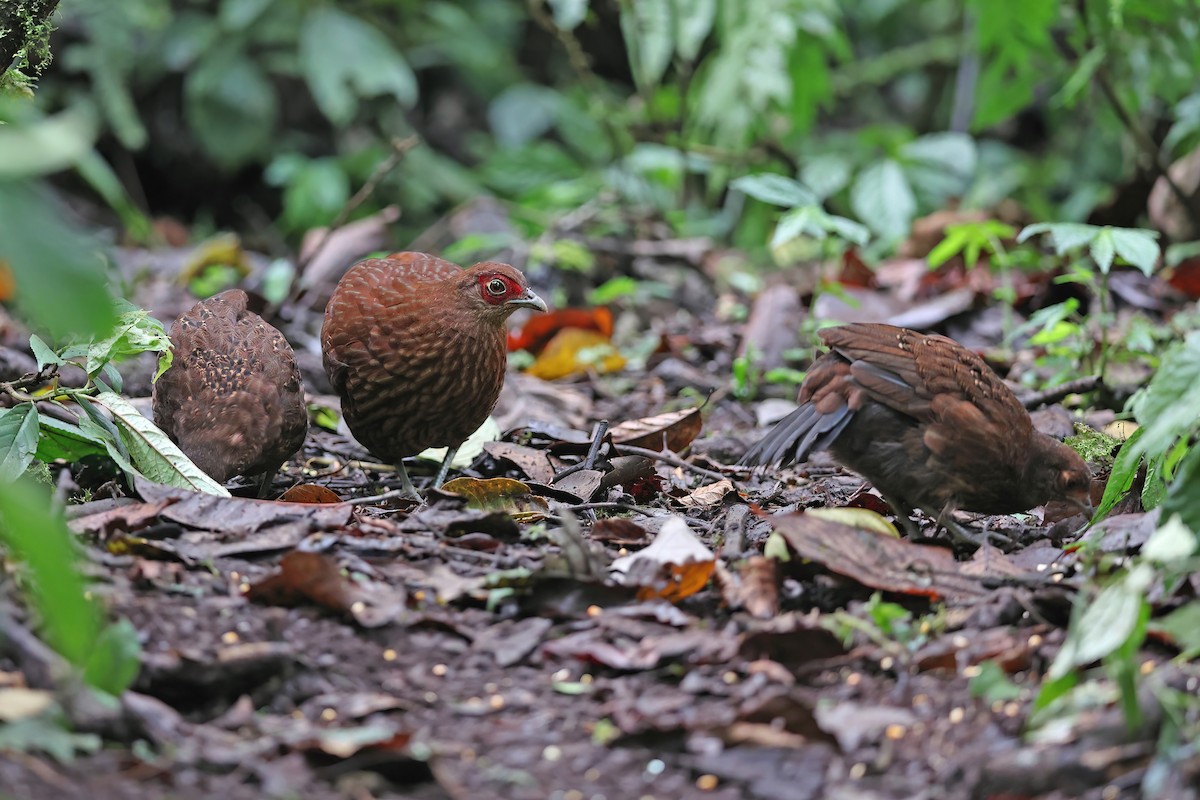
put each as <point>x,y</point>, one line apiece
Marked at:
<point>928,423</point>
<point>232,398</point>
<point>415,347</point>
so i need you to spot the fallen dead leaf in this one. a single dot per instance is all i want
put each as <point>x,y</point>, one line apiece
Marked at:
<point>675,565</point>
<point>673,431</point>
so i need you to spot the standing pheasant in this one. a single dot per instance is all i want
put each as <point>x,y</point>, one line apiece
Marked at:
<point>232,399</point>
<point>415,347</point>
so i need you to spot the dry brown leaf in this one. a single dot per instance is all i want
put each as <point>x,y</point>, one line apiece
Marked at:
<point>674,430</point>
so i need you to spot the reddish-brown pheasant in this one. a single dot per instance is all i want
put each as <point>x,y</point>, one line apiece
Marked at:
<point>232,398</point>
<point>415,348</point>
<point>928,423</point>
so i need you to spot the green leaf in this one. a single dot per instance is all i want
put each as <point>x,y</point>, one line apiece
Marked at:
<point>693,22</point>
<point>774,189</point>
<point>114,661</point>
<point>43,353</point>
<point>40,539</point>
<point>1138,247</point>
<point>1124,471</point>
<point>948,248</point>
<point>826,175</point>
<point>948,151</point>
<point>151,452</point>
<point>1181,500</point>
<point>522,113</point>
<point>1104,626</point>
<point>61,286</point>
<point>1102,250</point>
<point>136,332</point>
<point>36,148</point>
<point>883,199</point>
<point>18,440</point>
<point>231,106</point>
<point>1065,237</point>
<point>64,441</point>
<point>1166,408</point>
<point>1171,543</point>
<point>648,31</point>
<point>345,58</point>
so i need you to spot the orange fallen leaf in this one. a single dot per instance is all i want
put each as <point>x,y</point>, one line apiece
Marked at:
<point>309,493</point>
<point>539,330</point>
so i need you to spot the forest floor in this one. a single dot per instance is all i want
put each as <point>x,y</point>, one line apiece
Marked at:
<point>386,650</point>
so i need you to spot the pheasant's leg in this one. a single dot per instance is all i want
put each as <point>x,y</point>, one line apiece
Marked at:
<point>441,475</point>
<point>406,484</point>
<point>903,513</point>
<point>964,535</point>
<point>264,484</point>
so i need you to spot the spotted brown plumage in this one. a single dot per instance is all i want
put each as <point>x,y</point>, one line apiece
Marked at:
<point>928,423</point>
<point>415,348</point>
<point>232,399</point>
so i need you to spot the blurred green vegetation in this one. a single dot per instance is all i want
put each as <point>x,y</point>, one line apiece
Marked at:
<point>882,109</point>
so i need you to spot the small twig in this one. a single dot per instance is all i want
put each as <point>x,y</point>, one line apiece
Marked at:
<point>608,506</point>
<point>378,498</point>
<point>670,458</point>
<point>1089,383</point>
<point>400,148</point>
<point>598,434</point>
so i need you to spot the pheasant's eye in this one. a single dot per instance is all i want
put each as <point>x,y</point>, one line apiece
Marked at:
<point>497,287</point>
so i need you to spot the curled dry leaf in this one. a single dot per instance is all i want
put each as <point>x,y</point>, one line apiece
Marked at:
<point>673,431</point>
<point>710,495</point>
<point>675,565</point>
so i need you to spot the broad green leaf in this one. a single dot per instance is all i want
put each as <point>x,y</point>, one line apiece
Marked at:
<point>825,176</point>
<point>693,23</point>
<point>1166,408</point>
<point>647,28</point>
<point>1124,471</point>
<point>39,538</point>
<point>522,113</point>
<point>1181,500</point>
<point>1065,237</point>
<point>114,661</point>
<point>152,453</point>
<point>1102,250</point>
<point>345,58</point>
<point>61,285</point>
<point>43,352</point>
<point>774,189</point>
<point>136,332</point>
<point>30,149</point>
<point>18,440</point>
<point>948,151</point>
<point>1171,543</point>
<point>1104,626</point>
<point>63,441</point>
<point>1138,247</point>
<point>231,107</point>
<point>882,198</point>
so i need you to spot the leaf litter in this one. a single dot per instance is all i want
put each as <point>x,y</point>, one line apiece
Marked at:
<point>611,609</point>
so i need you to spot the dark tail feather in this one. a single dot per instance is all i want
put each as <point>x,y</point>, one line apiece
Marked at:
<point>803,431</point>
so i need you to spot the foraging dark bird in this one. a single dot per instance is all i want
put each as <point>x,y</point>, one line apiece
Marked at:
<point>928,423</point>
<point>415,347</point>
<point>232,398</point>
